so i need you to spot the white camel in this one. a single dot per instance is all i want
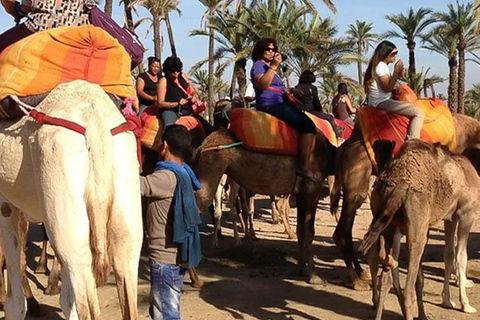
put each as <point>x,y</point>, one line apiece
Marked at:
<point>84,188</point>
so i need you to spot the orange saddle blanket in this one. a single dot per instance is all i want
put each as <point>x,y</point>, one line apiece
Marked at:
<point>40,62</point>
<point>153,127</point>
<point>377,124</point>
<point>264,133</point>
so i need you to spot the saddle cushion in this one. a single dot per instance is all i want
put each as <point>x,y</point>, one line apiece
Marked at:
<point>153,127</point>
<point>40,62</point>
<point>377,124</point>
<point>264,133</point>
<point>347,128</point>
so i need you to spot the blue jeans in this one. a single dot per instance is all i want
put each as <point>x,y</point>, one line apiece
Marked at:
<point>168,116</point>
<point>166,288</point>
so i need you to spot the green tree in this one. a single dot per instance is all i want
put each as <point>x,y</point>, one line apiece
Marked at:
<point>363,37</point>
<point>439,42</point>
<point>412,25</point>
<point>472,102</point>
<point>458,22</point>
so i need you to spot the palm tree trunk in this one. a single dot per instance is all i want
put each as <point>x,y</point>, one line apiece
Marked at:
<point>461,81</point>
<point>170,35</point>
<point>359,63</point>
<point>128,15</point>
<point>452,83</point>
<point>108,7</point>
<point>211,80</point>
<point>433,91</point>
<point>241,74</point>
<point>157,38</point>
<point>411,61</point>
<point>234,81</point>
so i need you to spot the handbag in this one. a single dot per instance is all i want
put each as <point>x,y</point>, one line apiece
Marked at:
<point>288,97</point>
<point>197,107</point>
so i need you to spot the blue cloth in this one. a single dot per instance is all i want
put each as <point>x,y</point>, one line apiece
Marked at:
<point>267,97</point>
<point>165,290</point>
<point>186,218</point>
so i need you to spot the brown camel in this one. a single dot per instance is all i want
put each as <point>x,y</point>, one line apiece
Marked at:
<point>422,186</point>
<point>352,176</point>
<point>266,174</point>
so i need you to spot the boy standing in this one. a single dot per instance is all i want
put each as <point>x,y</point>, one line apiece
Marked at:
<point>172,223</point>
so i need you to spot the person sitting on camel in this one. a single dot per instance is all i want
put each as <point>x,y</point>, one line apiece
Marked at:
<point>176,94</point>
<point>269,91</point>
<point>42,15</point>
<point>379,84</point>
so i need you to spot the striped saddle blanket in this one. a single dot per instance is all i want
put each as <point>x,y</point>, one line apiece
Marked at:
<point>376,124</point>
<point>264,133</point>
<point>42,61</point>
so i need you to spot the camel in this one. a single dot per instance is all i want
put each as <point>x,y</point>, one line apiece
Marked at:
<point>422,186</point>
<point>86,191</point>
<point>353,171</point>
<point>266,174</point>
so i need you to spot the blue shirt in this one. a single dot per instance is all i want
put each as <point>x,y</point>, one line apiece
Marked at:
<point>267,97</point>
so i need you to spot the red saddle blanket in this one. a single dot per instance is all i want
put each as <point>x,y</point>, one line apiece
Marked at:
<point>264,133</point>
<point>377,124</point>
<point>153,127</point>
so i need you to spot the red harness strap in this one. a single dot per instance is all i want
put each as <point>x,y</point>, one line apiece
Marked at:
<point>133,124</point>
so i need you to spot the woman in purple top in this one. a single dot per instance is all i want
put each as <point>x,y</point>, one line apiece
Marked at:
<point>269,91</point>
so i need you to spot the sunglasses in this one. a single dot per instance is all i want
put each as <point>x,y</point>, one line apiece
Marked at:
<point>175,71</point>
<point>270,49</point>
<point>394,53</point>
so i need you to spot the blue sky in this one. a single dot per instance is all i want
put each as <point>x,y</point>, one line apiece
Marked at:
<point>192,49</point>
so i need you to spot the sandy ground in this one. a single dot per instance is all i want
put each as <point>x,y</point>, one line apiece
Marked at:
<point>259,281</point>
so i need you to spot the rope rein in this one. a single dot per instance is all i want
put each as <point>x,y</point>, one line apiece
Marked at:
<point>222,147</point>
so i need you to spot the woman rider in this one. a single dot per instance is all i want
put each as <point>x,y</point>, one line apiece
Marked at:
<point>264,77</point>
<point>379,84</point>
<point>147,84</point>
<point>172,98</point>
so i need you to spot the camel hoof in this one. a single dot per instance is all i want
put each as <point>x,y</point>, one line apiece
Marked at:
<point>41,270</point>
<point>365,275</point>
<point>469,309</point>
<point>33,308</point>
<point>316,280</point>
<point>360,285</point>
<point>52,290</point>
<point>275,221</point>
<point>215,244</point>
<point>197,284</point>
<point>448,304</point>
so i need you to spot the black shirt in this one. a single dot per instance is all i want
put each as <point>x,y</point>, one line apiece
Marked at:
<point>149,88</point>
<point>310,97</point>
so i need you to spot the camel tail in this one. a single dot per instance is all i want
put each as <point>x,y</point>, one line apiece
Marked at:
<point>99,192</point>
<point>384,217</point>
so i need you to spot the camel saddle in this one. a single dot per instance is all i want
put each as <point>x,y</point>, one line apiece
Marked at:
<point>376,124</point>
<point>34,66</point>
<point>264,133</point>
<point>153,127</point>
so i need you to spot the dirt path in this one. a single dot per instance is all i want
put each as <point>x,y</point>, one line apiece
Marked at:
<point>259,281</point>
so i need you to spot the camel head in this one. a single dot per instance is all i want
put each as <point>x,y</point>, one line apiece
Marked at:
<point>383,150</point>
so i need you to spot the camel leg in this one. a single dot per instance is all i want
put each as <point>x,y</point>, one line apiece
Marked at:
<point>234,189</point>
<point>42,267</point>
<point>33,308</point>
<point>374,261</point>
<point>284,209</point>
<point>217,214</point>
<point>448,258</point>
<point>247,215</point>
<point>196,281</point>
<point>464,226</point>
<point>275,214</point>
<point>53,287</point>
<point>385,286</point>
<point>395,271</point>
<point>416,241</point>
<point>306,209</point>
<point>15,304</point>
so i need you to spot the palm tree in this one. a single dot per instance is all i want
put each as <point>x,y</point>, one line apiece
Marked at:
<point>128,8</point>
<point>234,47</point>
<point>108,7</point>
<point>412,25</point>
<point>212,6</point>
<point>361,34</point>
<point>472,102</point>
<point>199,79</point>
<point>476,14</point>
<point>440,43</point>
<point>458,22</point>
<point>306,3</point>
<point>159,10</point>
